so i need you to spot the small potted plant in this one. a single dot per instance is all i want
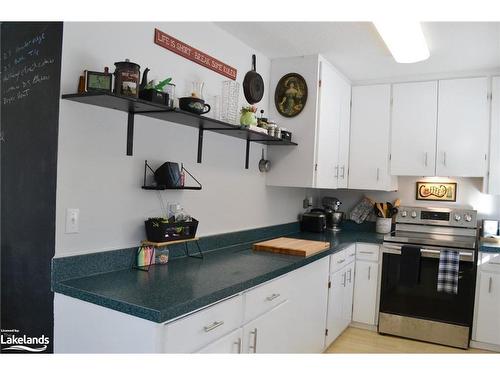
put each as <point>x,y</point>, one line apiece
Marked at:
<point>248,115</point>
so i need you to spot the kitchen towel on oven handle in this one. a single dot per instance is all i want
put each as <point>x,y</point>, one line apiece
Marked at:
<point>449,263</point>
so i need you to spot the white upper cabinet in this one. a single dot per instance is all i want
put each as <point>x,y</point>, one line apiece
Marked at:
<point>414,123</point>
<point>462,131</point>
<point>494,175</point>
<point>321,157</point>
<point>369,143</point>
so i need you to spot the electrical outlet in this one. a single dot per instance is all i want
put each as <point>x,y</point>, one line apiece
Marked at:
<point>72,220</point>
<point>308,202</point>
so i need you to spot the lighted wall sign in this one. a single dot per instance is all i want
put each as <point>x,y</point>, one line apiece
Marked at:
<point>437,191</point>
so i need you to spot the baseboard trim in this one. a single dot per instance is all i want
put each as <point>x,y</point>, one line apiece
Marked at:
<point>369,327</point>
<point>484,346</point>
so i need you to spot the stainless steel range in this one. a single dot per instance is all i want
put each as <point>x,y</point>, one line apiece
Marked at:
<point>418,310</point>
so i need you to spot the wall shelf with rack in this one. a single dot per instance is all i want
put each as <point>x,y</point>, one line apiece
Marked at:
<point>162,112</point>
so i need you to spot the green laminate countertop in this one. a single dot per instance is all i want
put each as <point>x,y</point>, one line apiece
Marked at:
<point>187,284</point>
<point>489,247</point>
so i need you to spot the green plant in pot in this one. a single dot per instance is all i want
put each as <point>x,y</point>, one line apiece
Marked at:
<point>248,115</point>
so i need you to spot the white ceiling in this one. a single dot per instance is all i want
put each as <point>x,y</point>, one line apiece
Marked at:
<point>357,50</point>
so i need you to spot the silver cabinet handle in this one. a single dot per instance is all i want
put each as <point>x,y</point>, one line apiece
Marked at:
<point>272,296</point>
<point>254,346</point>
<point>369,272</point>
<point>425,162</point>
<point>378,174</point>
<point>343,171</point>
<point>336,172</point>
<point>340,261</point>
<point>343,279</point>
<point>366,252</point>
<point>213,326</point>
<point>444,158</point>
<point>489,285</point>
<point>350,276</point>
<point>238,342</point>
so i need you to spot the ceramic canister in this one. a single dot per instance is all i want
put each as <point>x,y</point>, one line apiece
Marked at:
<point>127,78</point>
<point>383,225</point>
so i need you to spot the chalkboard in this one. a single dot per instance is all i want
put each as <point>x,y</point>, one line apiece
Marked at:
<point>30,72</point>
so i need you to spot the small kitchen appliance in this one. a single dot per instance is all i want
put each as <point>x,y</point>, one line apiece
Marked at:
<point>333,215</point>
<point>420,309</point>
<point>313,221</point>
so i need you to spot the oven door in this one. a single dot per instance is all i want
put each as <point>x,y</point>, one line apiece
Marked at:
<point>423,301</point>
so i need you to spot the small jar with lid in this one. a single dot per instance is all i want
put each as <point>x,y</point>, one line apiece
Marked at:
<point>271,128</point>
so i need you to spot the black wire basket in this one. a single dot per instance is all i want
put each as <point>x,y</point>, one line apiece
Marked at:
<point>160,230</point>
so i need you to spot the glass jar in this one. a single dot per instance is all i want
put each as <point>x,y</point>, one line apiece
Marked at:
<point>271,128</point>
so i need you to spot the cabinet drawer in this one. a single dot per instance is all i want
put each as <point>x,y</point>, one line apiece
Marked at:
<point>489,262</point>
<point>365,251</point>
<point>338,261</point>
<point>193,332</point>
<point>264,297</point>
<point>350,253</point>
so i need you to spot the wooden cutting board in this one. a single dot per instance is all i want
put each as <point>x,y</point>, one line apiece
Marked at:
<point>292,246</point>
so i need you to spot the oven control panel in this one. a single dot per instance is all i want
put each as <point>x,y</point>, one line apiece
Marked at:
<point>452,217</point>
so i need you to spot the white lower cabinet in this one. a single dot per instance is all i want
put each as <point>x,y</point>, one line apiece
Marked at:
<point>190,334</point>
<point>271,332</point>
<point>487,317</point>
<point>229,344</point>
<point>340,295</point>
<point>366,284</point>
<point>285,315</point>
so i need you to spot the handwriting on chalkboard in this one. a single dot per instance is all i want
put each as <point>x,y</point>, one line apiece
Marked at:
<point>25,68</point>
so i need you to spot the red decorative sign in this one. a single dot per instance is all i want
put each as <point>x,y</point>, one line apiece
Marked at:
<point>193,54</point>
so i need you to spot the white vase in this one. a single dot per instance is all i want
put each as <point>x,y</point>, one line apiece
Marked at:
<point>383,225</point>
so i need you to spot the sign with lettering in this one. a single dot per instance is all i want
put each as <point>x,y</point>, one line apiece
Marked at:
<point>193,54</point>
<point>437,191</point>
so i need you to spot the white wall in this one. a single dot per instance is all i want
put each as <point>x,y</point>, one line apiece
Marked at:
<point>468,195</point>
<point>96,176</point>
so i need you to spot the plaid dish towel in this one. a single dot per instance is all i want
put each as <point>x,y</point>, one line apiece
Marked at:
<point>449,262</point>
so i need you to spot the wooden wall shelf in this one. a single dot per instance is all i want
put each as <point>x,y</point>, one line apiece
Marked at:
<point>162,112</point>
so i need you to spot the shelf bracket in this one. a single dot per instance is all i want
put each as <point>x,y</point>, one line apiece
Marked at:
<point>247,154</point>
<point>200,143</point>
<point>130,133</point>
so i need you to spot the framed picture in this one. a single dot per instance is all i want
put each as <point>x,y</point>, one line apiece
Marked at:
<point>98,81</point>
<point>290,96</point>
<point>436,191</point>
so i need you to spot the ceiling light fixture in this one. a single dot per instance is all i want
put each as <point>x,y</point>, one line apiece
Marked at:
<point>404,39</point>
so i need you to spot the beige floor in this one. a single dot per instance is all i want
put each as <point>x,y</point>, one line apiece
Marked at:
<point>355,340</point>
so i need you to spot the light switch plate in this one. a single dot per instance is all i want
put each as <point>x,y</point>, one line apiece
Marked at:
<point>72,220</point>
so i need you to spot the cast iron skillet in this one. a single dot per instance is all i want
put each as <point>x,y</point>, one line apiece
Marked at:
<point>253,85</point>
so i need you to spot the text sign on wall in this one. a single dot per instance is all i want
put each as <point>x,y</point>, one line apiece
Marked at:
<point>437,191</point>
<point>193,54</point>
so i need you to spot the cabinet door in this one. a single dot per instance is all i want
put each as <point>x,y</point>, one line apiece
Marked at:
<point>369,144</point>
<point>334,320</point>
<point>294,166</point>
<point>365,292</point>
<point>488,310</point>
<point>344,133</point>
<point>309,299</point>
<point>414,121</point>
<point>271,332</point>
<point>347,298</point>
<point>494,175</point>
<point>229,344</point>
<point>462,133</point>
<point>327,133</point>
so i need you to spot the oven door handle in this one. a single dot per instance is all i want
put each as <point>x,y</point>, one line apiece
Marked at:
<point>465,255</point>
